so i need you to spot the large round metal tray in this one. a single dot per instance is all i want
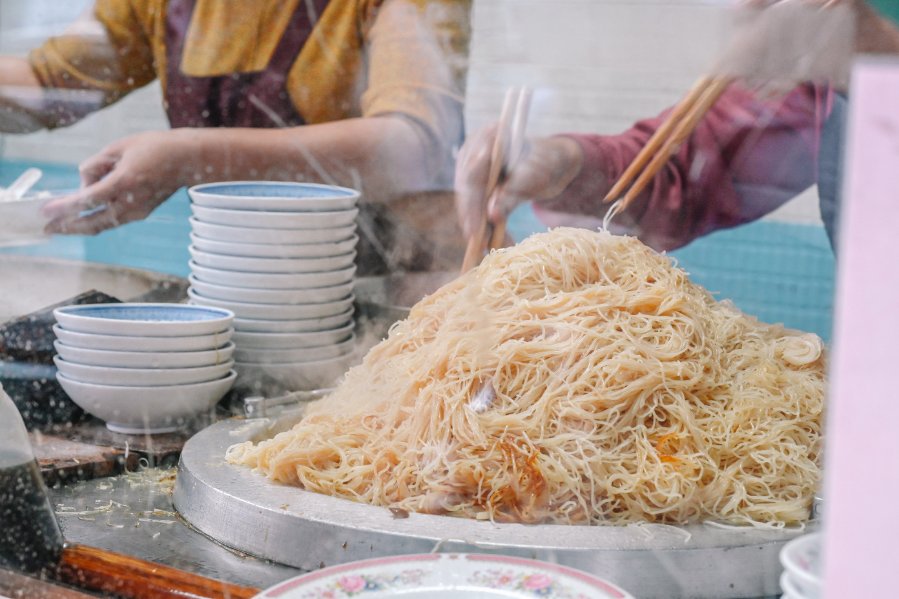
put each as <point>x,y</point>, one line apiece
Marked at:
<point>244,510</point>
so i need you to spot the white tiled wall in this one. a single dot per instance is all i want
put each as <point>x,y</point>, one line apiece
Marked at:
<point>596,66</point>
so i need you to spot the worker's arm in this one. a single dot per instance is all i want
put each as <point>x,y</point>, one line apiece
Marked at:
<point>20,96</point>
<point>385,156</point>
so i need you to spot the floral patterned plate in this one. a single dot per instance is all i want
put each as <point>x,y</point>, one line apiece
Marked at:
<point>445,575</point>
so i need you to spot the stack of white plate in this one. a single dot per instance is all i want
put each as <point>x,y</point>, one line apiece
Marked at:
<point>801,559</point>
<point>281,257</point>
<point>144,368</point>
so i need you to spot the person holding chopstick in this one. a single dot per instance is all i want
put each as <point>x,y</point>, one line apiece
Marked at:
<point>748,156</point>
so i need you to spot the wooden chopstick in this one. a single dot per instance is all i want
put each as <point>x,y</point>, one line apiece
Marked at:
<point>679,125</point>
<point>128,577</point>
<point>507,148</point>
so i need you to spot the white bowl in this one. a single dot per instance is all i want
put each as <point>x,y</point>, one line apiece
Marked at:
<point>143,344</point>
<point>247,355</point>
<point>273,195</point>
<point>141,377</point>
<point>140,410</point>
<point>151,320</point>
<point>22,221</point>
<point>302,295</point>
<point>267,280</point>
<point>247,340</point>
<point>298,377</point>
<point>274,311</point>
<point>143,359</point>
<point>802,559</point>
<point>261,250</point>
<point>275,220</point>
<point>270,236</point>
<point>306,325</point>
<point>272,265</point>
<point>789,587</point>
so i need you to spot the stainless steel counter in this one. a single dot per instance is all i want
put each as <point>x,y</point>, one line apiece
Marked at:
<point>133,514</point>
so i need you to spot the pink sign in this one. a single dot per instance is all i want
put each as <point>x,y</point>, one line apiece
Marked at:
<point>861,491</point>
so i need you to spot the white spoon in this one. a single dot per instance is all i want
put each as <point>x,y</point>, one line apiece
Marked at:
<point>21,185</point>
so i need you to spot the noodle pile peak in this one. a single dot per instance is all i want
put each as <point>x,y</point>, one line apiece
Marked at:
<point>577,378</point>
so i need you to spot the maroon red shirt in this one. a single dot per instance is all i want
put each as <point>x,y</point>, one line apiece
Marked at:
<point>748,157</point>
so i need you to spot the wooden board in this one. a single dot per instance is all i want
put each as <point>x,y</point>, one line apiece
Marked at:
<point>17,586</point>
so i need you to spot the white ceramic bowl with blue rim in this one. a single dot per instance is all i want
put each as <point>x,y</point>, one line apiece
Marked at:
<point>141,377</point>
<point>251,340</point>
<point>274,196</point>
<point>248,355</point>
<point>283,250</point>
<point>271,280</point>
<point>128,343</point>
<point>143,359</point>
<point>305,325</point>
<point>802,559</point>
<point>146,409</point>
<point>274,311</point>
<point>21,221</point>
<point>789,588</point>
<point>275,220</point>
<point>151,320</point>
<point>302,295</point>
<point>298,376</point>
<point>272,265</point>
<point>266,236</point>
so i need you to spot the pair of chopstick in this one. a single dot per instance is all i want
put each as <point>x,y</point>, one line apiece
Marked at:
<point>679,125</point>
<point>507,148</point>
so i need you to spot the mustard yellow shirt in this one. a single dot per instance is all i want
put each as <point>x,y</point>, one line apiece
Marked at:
<point>363,57</point>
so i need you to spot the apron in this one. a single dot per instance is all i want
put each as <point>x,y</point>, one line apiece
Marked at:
<point>830,168</point>
<point>261,100</point>
<point>258,99</point>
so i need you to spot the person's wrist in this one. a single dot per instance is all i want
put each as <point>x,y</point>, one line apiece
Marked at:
<point>191,155</point>
<point>568,158</point>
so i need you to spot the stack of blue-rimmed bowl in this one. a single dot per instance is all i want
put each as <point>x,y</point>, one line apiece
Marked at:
<point>281,257</point>
<point>144,368</point>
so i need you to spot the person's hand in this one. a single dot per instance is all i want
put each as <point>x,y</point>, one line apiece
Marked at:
<point>123,183</point>
<point>778,44</point>
<point>546,166</point>
<point>874,34</point>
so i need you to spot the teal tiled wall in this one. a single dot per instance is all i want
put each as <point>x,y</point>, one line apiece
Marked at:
<point>779,272</point>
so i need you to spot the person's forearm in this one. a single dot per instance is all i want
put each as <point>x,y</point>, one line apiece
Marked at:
<point>20,96</point>
<point>386,156</point>
<point>15,71</point>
